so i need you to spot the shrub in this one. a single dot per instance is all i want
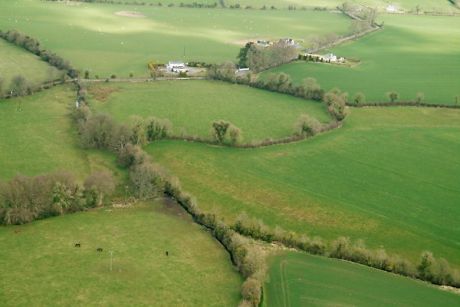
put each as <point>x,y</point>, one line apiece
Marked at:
<point>138,133</point>
<point>146,180</point>
<point>157,128</point>
<point>103,185</point>
<point>130,155</point>
<point>250,290</point>
<point>307,126</point>
<point>234,134</point>
<point>336,103</point>
<point>219,130</point>
<point>96,131</point>
<point>359,98</point>
<point>419,97</point>
<point>425,268</point>
<point>393,96</point>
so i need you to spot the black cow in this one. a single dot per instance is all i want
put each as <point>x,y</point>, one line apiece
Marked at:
<point>99,249</point>
<point>167,253</point>
<point>77,245</point>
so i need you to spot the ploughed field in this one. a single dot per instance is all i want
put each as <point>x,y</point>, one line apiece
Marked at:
<point>389,177</point>
<point>192,106</point>
<point>296,279</point>
<point>411,54</point>
<point>93,37</point>
<point>41,266</point>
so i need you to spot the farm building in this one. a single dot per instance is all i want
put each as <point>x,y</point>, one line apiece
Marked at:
<point>176,66</point>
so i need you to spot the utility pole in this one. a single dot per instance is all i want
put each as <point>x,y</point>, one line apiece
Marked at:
<point>111,260</point>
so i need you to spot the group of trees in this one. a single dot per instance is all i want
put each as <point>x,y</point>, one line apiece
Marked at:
<point>437,271</point>
<point>101,131</point>
<point>336,102</point>
<point>24,199</point>
<point>225,132</point>
<point>32,45</point>
<point>259,58</point>
<point>307,126</point>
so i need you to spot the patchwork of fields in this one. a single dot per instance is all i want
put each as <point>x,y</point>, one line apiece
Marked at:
<point>411,54</point>
<point>47,265</point>
<point>301,280</point>
<point>93,38</point>
<point>192,106</point>
<point>388,176</point>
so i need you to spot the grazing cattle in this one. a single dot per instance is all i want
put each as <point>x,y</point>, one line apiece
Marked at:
<point>167,253</point>
<point>99,249</point>
<point>77,245</point>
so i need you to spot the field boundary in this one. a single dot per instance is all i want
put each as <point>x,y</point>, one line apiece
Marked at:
<point>403,104</point>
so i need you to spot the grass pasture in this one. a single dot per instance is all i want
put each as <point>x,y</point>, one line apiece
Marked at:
<point>40,265</point>
<point>296,279</point>
<point>389,177</point>
<point>193,105</point>
<point>405,5</point>
<point>16,61</point>
<point>37,137</point>
<point>411,54</point>
<point>93,38</point>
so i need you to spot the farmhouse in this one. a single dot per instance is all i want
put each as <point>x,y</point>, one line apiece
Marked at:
<point>290,42</point>
<point>176,66</point>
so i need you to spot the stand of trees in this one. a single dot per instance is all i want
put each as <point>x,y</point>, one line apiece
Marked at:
<point>259,58</point>
<point>25,199</point>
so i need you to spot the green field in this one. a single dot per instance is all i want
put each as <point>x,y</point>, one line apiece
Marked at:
<point>296,279</point>
<point>411,54</point>
<point>193,105</point>
<point>41,266</point>
<point>389,176</point>
<point>405,5</point>
<point>15,61</point>
<point>92,37</point>
<point>37,136</point>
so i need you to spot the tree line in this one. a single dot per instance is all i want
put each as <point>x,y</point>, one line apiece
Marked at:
<point>25,199</point>
<point>309,89</point>
<point>32,45</point>
<point>148,180</point>
<point>434,270</point>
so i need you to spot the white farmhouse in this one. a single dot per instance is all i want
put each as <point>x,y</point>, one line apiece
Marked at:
<point>330,57</point>
<point>176,67</point>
